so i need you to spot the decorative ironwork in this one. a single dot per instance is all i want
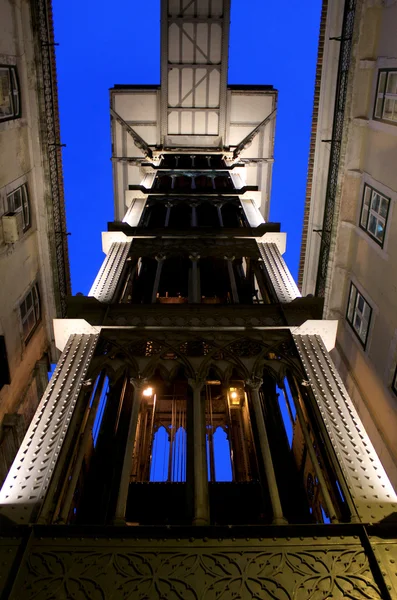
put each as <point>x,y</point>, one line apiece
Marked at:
<point>144,348</point>
<point>195,348</point>
<point>242,572</point>
<point>335,152</point>
<point>246,348</point>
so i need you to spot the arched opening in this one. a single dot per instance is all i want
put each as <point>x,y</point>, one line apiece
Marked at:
<point>97,456</point>
<point>207,215</point>
<point>306,483</point>
<point>235,493</point>
<point>174,281</point>
<point>163,183</point>
<point>180,216</point>
<point>232,215</point>
<point>214,281</point>
<point>179,446</point>
<point>315,475</point>
<point>182,183</point>
<point>244,278</point>
<point>157,214</point>
<point>140,288</point>
<point>160,453</point>
<point>203,183</point>
<point>222,459</point>
<point>223,182</point>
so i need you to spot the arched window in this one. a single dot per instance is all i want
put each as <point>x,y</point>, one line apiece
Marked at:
<point>178,471</point>
<point>222,459</point>
<point>160,455</point>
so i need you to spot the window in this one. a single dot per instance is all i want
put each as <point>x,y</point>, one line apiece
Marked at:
<point>30,312</point>
<point>18,202</point>
<point>4,369</point>
<point>394,383</point>
<point>386,96</point>
<point>374,213</point>
<point>358,314</point>
<point>10,101</point>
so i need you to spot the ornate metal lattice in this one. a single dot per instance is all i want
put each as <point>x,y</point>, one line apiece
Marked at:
<point>245,348</point>
<point>337,129</point>
<point>195,348</point>
<point>145,348</point>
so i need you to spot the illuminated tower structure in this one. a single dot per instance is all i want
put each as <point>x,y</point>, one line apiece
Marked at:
<point>195,440</point>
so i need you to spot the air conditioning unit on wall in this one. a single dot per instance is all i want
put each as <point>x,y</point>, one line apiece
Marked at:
<point>12,227</point>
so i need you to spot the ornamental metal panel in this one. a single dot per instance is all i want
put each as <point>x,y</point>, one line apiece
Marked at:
<point>194,68</point>
<point>370,488</point>
<point>29,477</point>
<point>109,274</point>
<point>283,283</point>
<point>286,567</point>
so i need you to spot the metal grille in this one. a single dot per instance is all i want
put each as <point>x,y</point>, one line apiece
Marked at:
<point>337,129</point>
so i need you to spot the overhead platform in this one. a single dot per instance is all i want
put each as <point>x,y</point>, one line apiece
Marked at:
<point>194,110</point>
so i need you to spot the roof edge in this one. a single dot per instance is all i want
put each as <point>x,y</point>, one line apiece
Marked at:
<point>313,139</point>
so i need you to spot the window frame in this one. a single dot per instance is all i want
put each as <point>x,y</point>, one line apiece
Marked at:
<point>15,93</point>
<point>24,208</point>
<point>351,319</point>
<point>383,95</point>
<point>378,216</point>
<point>34,308</point>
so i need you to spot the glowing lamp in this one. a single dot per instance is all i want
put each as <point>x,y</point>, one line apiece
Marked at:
<point>234,396</point>
<point>148,392</point>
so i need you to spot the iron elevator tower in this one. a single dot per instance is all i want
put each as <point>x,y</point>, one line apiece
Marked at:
<point>196,440</point>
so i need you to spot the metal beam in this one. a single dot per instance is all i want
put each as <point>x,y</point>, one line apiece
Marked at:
<point>207,66</point>
<point>249,138</point>
<point>192,109</point>
<point>192,19</point>
<point>139,142</point>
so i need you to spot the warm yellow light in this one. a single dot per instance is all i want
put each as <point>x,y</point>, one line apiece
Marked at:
<point>234,396</point>
<point>148,392</point>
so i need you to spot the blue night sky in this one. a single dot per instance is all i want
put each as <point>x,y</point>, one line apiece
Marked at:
<point>271,42</point>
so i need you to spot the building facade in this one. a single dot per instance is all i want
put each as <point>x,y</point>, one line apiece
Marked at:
<point>34,267</point>
<point>349,252</point>
<point>195,440</point>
